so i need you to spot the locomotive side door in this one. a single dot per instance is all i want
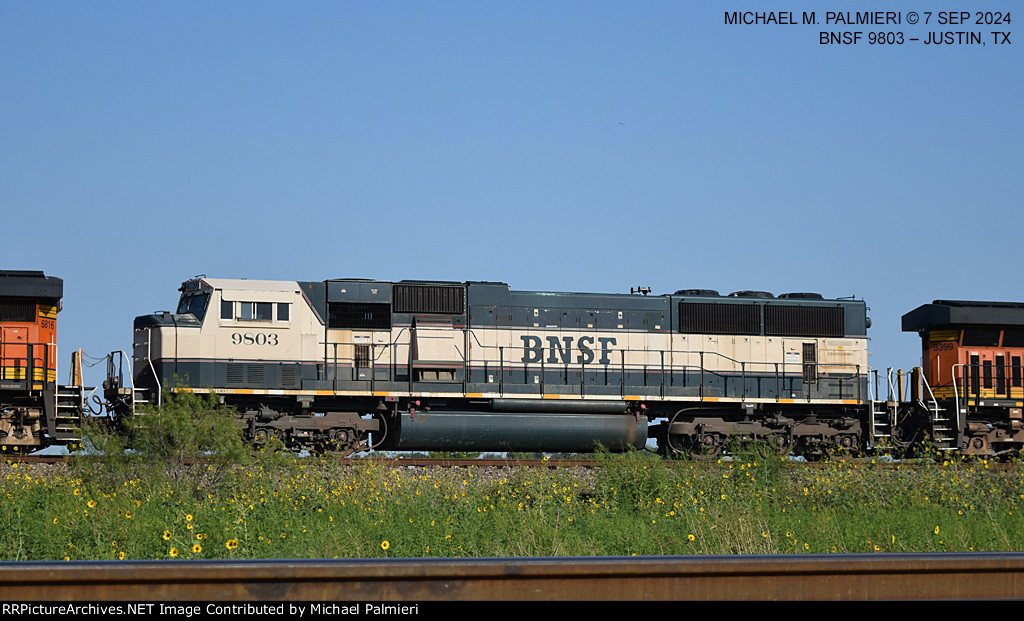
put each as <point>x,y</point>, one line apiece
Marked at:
<point>13,353</point>
<point>800,363</point>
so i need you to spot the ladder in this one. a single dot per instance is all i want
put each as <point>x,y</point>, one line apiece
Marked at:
<point>122,400</point>
<point>883,417</point>
<point>68,417</point>
<point>946,432</point>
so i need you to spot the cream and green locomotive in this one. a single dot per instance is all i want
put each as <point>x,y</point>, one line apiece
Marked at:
<point>476,366</point>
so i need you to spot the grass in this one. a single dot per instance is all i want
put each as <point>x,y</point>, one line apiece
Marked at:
<point>156,501</point>
<point>326,508</point>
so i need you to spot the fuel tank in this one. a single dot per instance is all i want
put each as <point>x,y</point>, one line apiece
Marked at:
<point>515,431</point>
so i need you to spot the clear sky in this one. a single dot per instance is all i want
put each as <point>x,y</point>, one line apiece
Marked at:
<point>555,145</point>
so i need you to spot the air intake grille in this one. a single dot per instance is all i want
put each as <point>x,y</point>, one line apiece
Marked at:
<point>712,318</point>
<point>440,299</point>
<point>11,310</point>
<point>818,321</point>
<point>359,316</point>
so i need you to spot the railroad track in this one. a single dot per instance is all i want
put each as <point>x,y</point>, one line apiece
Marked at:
<point>695,578</point>
<point>387,461</point>
<point>453,462</point>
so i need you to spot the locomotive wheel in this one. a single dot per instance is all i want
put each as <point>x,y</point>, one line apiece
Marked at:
<point>842,446</point>
<point>344,441</point>
<point>780,443</point>
<point>700,446</point>
<point>705,447</point>
<point>267,437</point>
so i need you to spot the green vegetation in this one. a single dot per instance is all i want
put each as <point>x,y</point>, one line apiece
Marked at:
<point>159,503</point>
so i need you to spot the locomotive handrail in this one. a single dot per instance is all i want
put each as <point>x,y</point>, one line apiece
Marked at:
<point>935,405</point>
<point>669,370</point>
<point>956,392</point>
<point>149,361</point>
<point>29,368</point>
<point>124,358</point>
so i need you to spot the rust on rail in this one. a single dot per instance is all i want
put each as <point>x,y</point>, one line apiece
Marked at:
<point>799,577</point>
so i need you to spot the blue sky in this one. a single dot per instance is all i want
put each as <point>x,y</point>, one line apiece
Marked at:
<point>581,146</point>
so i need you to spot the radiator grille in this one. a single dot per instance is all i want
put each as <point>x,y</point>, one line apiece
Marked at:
<point>818,321</point>
<point>710,318</point>
<point>441,299</point>
<point>17,310</point>
<point>359,316</point>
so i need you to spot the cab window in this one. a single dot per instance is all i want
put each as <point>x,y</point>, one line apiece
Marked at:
<point>194,304</point>
<point>254,311</point>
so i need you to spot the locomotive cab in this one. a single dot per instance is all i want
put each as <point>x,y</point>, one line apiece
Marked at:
<point>256,343</point>
<point>224,333</point>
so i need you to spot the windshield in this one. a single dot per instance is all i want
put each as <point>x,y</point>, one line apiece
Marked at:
<point>194,303</point>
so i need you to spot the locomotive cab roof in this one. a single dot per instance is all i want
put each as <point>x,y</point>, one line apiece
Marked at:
<point>963,312</point>
<point>30,284</point>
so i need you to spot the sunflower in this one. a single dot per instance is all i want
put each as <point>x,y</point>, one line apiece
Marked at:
<point>384,545</point>
<point>196,549</point>
<point>173,552</point>
<point>231,544</point>
<point>167,535</point>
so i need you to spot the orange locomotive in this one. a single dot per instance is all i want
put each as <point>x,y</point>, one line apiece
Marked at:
<point>973,389</point>
<point>34,411</point>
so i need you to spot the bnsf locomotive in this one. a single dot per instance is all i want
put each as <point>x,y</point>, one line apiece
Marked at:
<point>356,364</point>
<point>34,411</point>
<point>972,389</point>
<point>478,366</point>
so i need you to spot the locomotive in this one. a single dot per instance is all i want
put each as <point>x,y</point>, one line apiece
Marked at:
<point>477,366</point>
<point>970,391</point>
<point>356,364</point>
<point>34,410</point>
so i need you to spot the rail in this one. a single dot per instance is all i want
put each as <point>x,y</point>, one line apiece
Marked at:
<point>956,393</point>
<point>581,366</point>
<point>976,379</point>
<point>835,577</point>
<point>122,359</point>
<point>21,361</point>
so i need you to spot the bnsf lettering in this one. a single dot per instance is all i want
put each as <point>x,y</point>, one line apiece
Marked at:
<point>560,349</point>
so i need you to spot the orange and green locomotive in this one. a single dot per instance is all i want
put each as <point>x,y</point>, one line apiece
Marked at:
<point>971,392</point>
<point>34,411</point>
